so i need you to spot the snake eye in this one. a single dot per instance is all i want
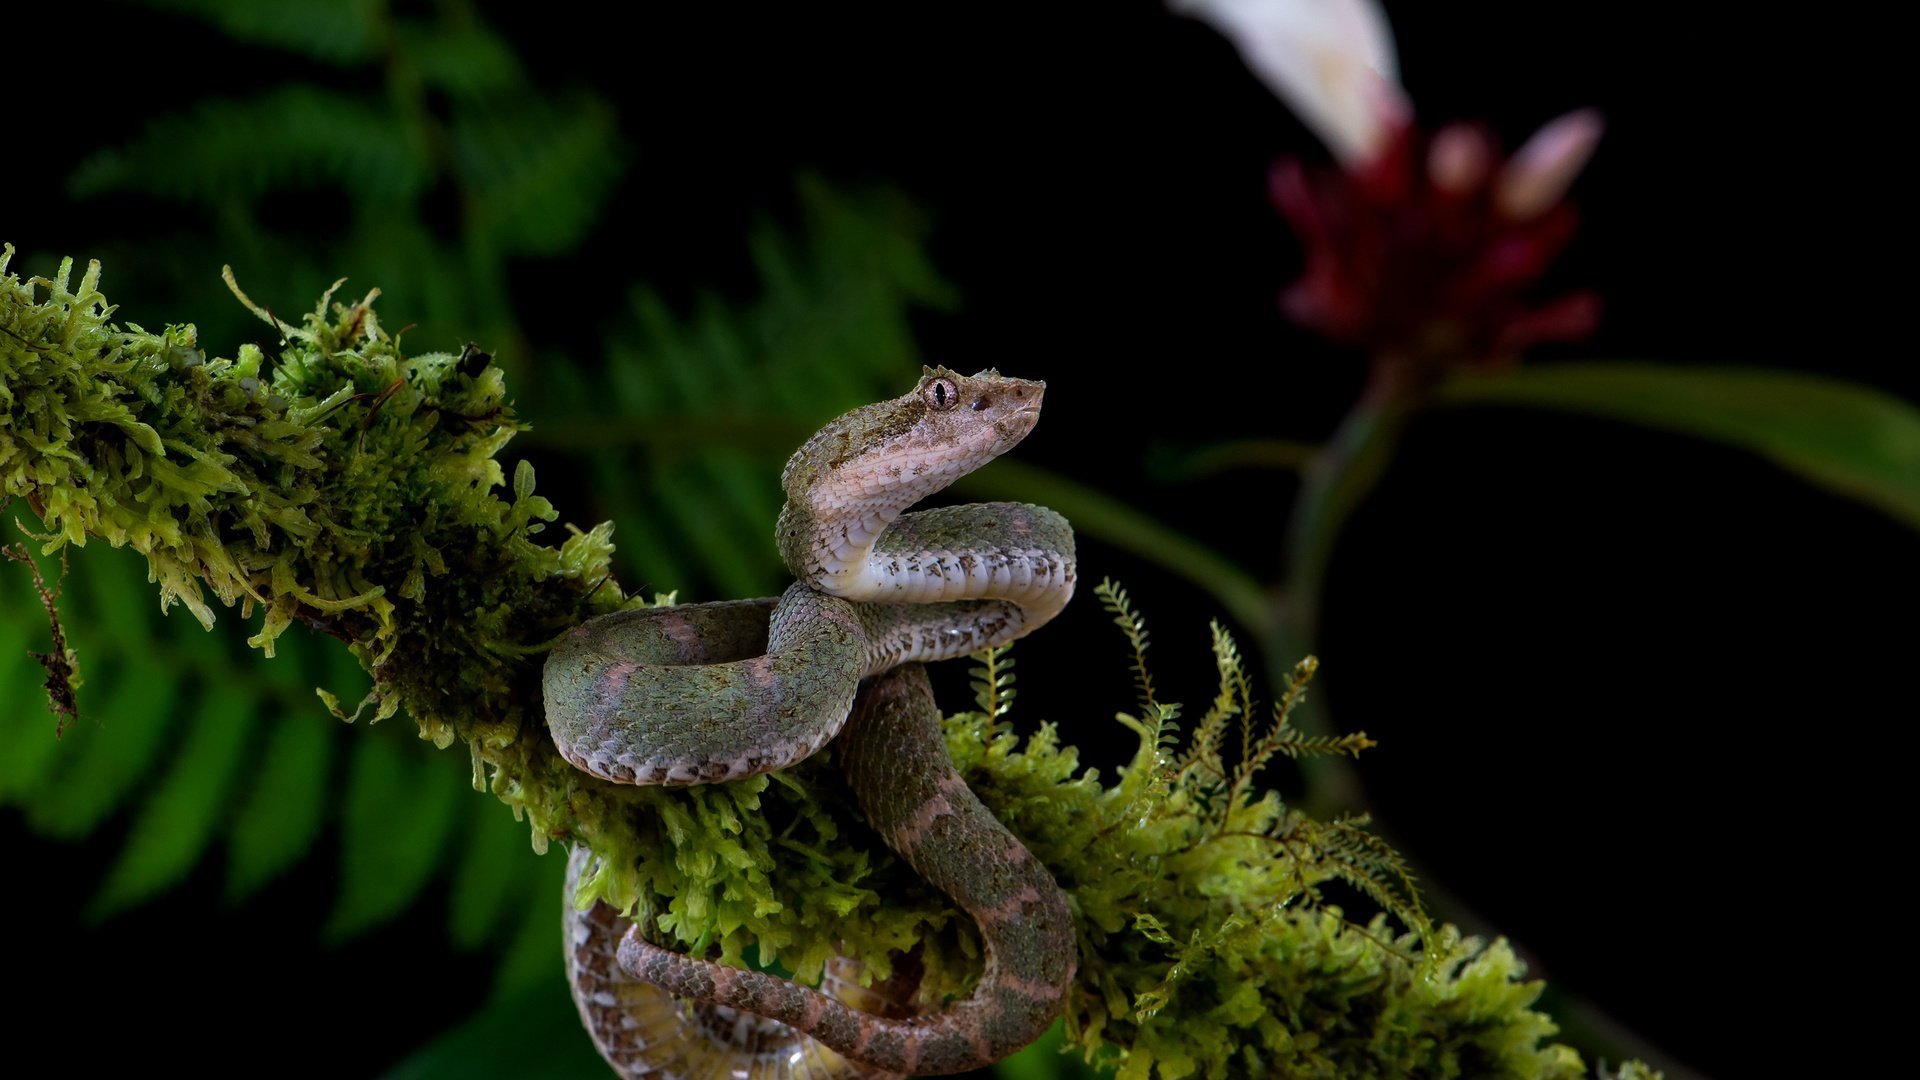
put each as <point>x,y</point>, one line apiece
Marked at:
<point>941,395</point>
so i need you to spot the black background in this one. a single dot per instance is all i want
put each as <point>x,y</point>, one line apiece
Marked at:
<point>1624,681</point>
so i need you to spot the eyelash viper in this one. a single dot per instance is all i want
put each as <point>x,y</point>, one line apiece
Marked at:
<point>702,693</point>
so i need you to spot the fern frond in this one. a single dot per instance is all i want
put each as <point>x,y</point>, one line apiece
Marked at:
<point>1279,734</point>
<point>324,30</point>
<point>178,822</point>
<point>279,819</point>
<point>397,814</point>
<point>538,175</point>
<point>992,681</point>
<point>24,747</point>
<point>1233,697</point>
<point>490,886</point>
<point>228,152</point>
<point>433,107</point>
<point>1113,596</point>
<point>1368,863</point>
<point>464,59</point>
<point>691,415</point>
<point>1295,745</point>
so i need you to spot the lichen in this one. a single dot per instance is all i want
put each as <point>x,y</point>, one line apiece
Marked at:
<point>349,487</point>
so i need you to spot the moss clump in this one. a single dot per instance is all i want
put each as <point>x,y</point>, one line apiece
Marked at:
<point>353,488</point>
<point>356,489</point>
<point>350,487</point>
<point>1206,947</point>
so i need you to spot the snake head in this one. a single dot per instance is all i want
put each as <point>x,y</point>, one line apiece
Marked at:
<point>887,456</point>
<point>960,407</point>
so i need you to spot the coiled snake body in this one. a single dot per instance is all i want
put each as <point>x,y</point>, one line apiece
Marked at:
<point>708,692</point>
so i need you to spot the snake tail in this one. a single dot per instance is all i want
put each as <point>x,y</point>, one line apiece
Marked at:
<point>896,761</point>
<point>647,1035</point>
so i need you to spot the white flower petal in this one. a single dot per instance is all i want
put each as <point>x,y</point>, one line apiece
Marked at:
<point>1331,61</point>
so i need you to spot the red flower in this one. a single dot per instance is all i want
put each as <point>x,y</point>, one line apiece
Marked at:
<point>1426,252</point>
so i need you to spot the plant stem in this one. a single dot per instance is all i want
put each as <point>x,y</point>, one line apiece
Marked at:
<point>1335,481</point>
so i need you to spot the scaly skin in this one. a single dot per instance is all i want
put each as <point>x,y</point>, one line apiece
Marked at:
<point>708,692</point>
<point>644,1032</point>
<point>896,761</point>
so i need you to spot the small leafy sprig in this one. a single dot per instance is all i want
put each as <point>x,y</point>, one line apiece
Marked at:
<point>1208,946</point>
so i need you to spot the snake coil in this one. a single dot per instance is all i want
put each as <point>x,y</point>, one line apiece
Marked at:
<point>702,693</point>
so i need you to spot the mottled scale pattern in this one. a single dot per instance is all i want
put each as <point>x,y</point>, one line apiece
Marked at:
<point>644,1033</point>
<point>708,692</point>
<point>895,758</point>
<point>641,697</point>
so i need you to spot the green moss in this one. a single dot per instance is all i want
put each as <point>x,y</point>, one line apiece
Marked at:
<point>1206,946</point>
<point>352,488</point>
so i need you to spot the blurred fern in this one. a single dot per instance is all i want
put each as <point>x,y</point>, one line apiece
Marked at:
<point>431,109</point>
<point>204,751</point>
<point>207,751</point>
<point>689,422</point>
<point>210,750</point>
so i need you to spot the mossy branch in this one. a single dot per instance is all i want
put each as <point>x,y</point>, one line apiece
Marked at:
<point>348,487</point>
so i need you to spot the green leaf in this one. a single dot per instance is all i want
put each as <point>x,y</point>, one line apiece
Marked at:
<point>222,152</point>
<point>401,804</point>
<point>537,178</point>
<point>282,816</point>
<point>177,824</point>
<point>466,59</point>
<point>533,958</point>
<point>1852,440</point>
<point>26,727</point>
<point>113,748</point>
<point>327,30</point>
<point>491,881</point>
<point>695,412</point>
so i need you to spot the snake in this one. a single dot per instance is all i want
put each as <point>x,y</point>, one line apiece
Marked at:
<point>704,693</point>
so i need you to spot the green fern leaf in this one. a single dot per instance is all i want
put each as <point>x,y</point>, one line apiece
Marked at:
<point>104,759</point>
<point>283,814</point>
<point>26,730</point>
<point>490,884</point>
<point>702,411</point>
<point>537,177</point>
<point>529,959</point>
<point>992,681</point>
<point>224,152</point>
<point>465,60</point>
<point>1295,745</point>
<point>333,31</point>
<point>1370,864</point>
<point>183,816</point>
<point>1113,596</point>
<point>399,811</point>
